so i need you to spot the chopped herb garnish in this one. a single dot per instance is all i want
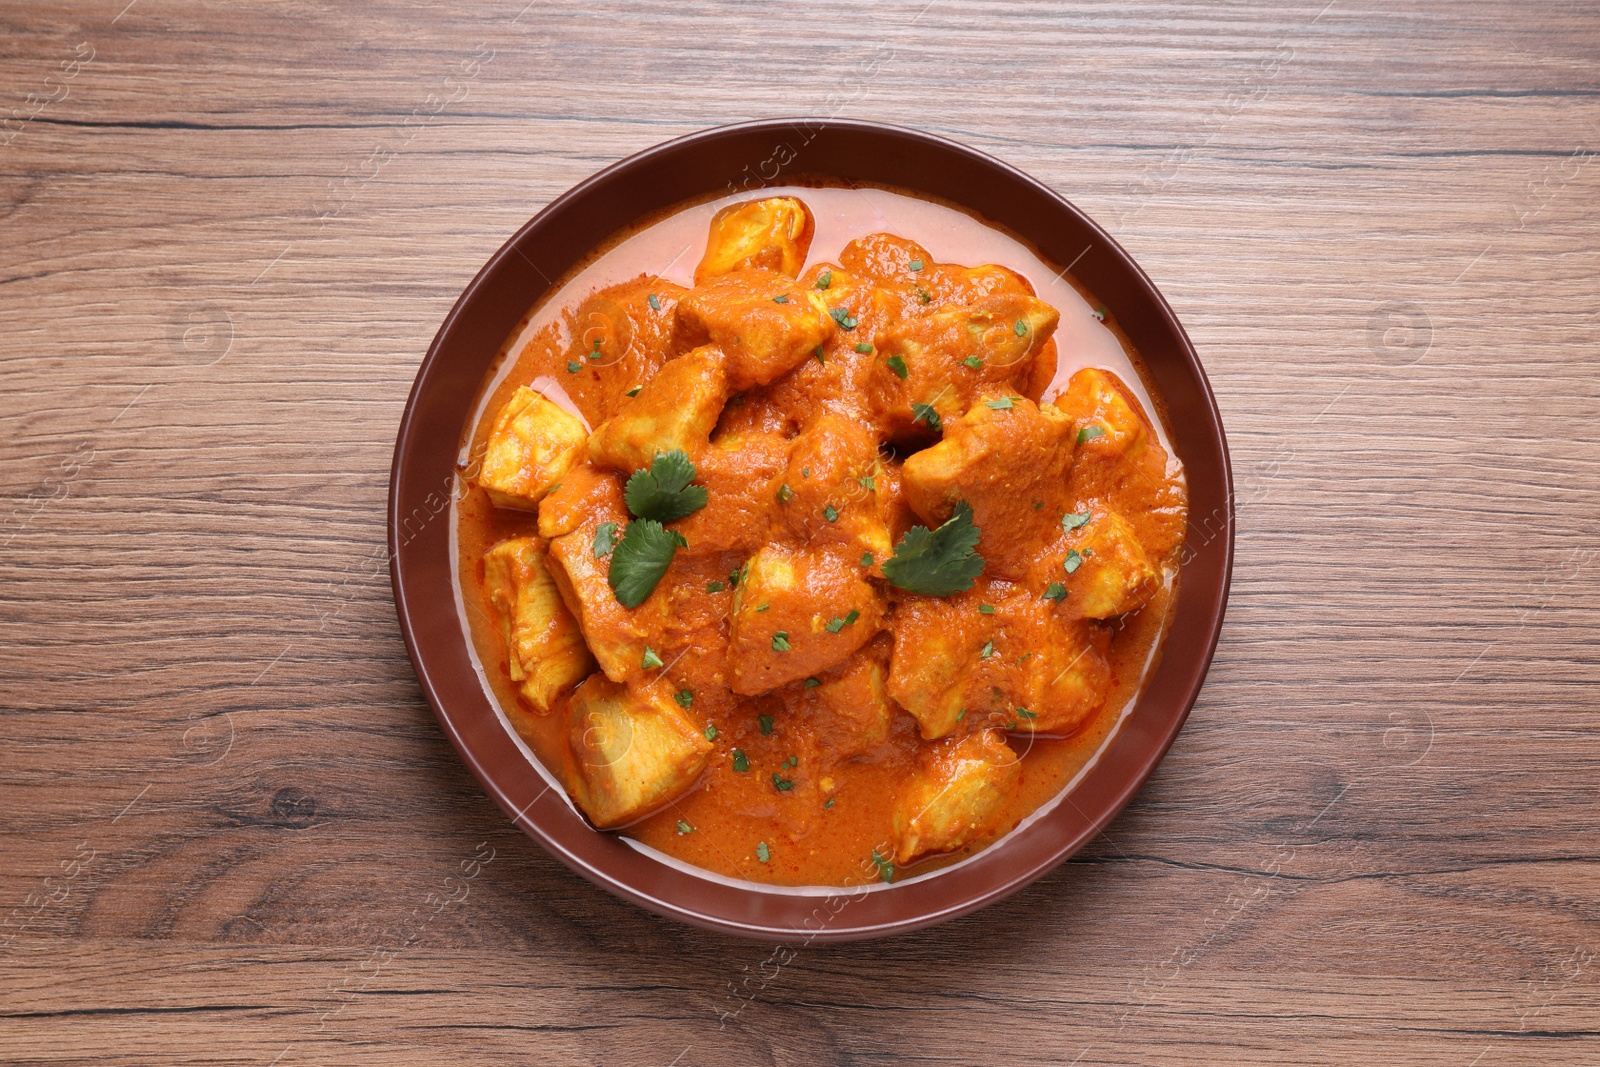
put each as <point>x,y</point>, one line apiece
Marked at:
<point>632,392</point>
<point>780,641</point>
<point>650,661</point>
<point>974,362</point>
<point>924,296</point>
<point>818,354</point>
<point>1038,505</point>
<point>1089,433</point>
<point>640,559</point>
<point>830,513</point>
<point>937,562</point>
<point>1003,404</point>
<point>764,607</point>
<point>655,302</point>
<point>664,492</point>
<point>762,852</point>
<point>926,413</point>
<point>785,494</point>
<point>867,482</point>
<point>812,683</point>
<point>1099,313</point>
<point>842,317</point>
<point>766,723</point>
<point>738,576</point>
<point>987,651</point>
<point>783,784</point>
<point>986,609</point>
<point>915,264</point>
<point>885,868</point>
<point>898,365</point>
<point>962,714</point>
<point>835,624</point>
<point>684,697</point>
<point>862,346</point>
<point>1021,327</point>
<point>805,472</point>
<point>711,732</point>
<point>1074,560</point>
<point>605,539</point>
<point>828,803</point>
<point>683,827</point>
<point>1074,519</point>
<point>850,619</point>
<point>741,762</point>
<point>1056,592</point>
<point>715,587</point>
<point>781,298</point>
<point>573,366</point>
<point>1026,714</point>
<point>792,761</point>
<point>866,559</point>
<point>824,279</point>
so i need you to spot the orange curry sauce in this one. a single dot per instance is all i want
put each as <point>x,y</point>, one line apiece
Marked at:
<point>835,822</point>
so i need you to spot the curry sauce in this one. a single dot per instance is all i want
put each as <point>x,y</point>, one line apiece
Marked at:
<point>800,550</point>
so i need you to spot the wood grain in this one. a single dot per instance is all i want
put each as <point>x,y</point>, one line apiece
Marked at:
<point>231,830</point>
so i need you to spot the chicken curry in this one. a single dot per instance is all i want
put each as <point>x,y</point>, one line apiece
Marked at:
<point>814,572</point>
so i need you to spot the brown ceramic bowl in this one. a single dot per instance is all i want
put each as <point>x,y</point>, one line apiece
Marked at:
<point>748,156</point>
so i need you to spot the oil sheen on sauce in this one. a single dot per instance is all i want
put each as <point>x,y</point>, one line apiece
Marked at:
<point>729,813</point>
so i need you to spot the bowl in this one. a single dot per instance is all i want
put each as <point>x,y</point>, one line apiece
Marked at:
<point>750,156</point>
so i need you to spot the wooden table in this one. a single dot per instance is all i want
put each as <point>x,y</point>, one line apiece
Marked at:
<point>233,832</point>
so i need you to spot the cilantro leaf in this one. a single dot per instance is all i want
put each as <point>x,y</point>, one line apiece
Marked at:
<point>780,641</point>
<point>843,317</point>
<point>663,492</point>
<point>655,302</point>
<point>1089,433</point>
<point>783,785</point>
<point>1003,404</point>
<point>684,697</point>
<point>885,868</point>
<point>605,539</point>
<point>974,362</point>
<point>763,853</point>
<point>1074,519</point>
<point>824,279</point>
<point>640,559</point>
<point>1073,561</point>
<point>741,762</point>
<point>683,827</point>
<point>937,562</point>
<point>1056,592</point>
<point>926,413</point>
<point>767,722</point>
<point>898,365</point>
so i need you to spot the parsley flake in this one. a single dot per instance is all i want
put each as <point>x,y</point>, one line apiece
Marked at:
<point>605,539</point>
<point>1074,560</point>
<point>664,492</point>
<point>818,354</point>
<point>1056,592</point>
<point>650,660</point>
<point>898,365</point>
<point>987,651</point>
<point>785,494</point>
<point>715,587</point>
<point>780,641</point>
<point>632,392</point>
<point>741,762</point>
<point>812,683</point>
<point>926,413</point>
<point>828,803</point>
<point>842,317</point>
<point>1074,519</point>
<point>974,362</point>
<point>937,562</point>
<point>1026,714</point>
<point>781,298</point>
<point>835,624</point>
<point>711,732</point>
<point>867,482</point>
<point>830,513</point>
<point>684,697</point>
<point>640,559</point>
<point>655,302</point>
<point>915,264</point>
<point>924,296</point>
<point>986,609</point>
<point>683,827</point>
<point>824,279</point>
<point>762,852</point>
<point>573,366</point>
<point>862,346</point>
<point>885,868</point>
<point>738,576</point>
<point>764,607</point>
<point>1021,328</point>
<point>1003,404</point>
<point>792,761</point>
<point>783,784</point>
<point>1089,433</point>
<point>766,723</point>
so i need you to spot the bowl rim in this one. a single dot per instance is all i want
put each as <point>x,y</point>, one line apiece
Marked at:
<point>771,916</point>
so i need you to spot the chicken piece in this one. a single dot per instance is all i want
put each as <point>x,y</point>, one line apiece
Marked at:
<point>1009,459</point>
<point>764,322</point>
<point>616,635</point>
<point>545,653</point>
<point>614,341</point>
<point>633,750</point>
<point>829,492</point>
<point>1059,680</point>
<point>930,368</point>
<point>676,409</point>
<point>885,258</point>
<point>740,473</point>
<point>848,709</point>
<point>938,647</point>
<point>1107,420</point>
<point>796,614</point>
<point>1102,566</point>
<point>902,264</point>
<point>774,233</point>
<point>585,492</point>
<point>956,797</point>
<point>534,441</point>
